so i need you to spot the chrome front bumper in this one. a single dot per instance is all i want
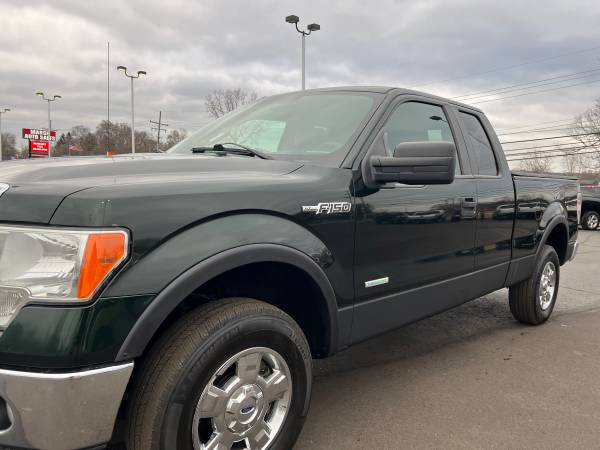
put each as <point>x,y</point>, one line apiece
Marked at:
<point>64,411</point>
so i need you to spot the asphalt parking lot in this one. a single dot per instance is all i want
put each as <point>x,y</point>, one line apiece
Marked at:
<point>471,377</point>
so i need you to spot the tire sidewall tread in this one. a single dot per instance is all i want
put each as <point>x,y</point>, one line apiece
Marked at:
<point>523,297</point>
<point>585,218</point>
<point>187,355</point>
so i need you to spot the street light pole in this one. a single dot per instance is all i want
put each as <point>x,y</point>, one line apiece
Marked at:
<point>132,120</point>
<point>310,28</point>
<point>303,61</point>
<point>43,96</point>
<point>132,77</point>
<point>2,111</point>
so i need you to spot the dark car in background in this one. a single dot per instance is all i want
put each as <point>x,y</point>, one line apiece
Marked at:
<point>590,218</point>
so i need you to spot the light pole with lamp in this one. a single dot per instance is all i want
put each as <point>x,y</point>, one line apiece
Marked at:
<point>53,99</point>
<point>310,28</point>
<point>132,77</point>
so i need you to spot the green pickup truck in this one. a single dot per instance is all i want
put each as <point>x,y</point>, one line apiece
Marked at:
<point>176,301</point>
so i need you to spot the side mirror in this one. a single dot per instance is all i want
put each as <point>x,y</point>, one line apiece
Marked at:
<point>415,163</point>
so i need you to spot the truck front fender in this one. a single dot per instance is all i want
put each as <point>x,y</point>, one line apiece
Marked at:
<point>179,252</point>
<point>187,260</point>
<point>177,291</point>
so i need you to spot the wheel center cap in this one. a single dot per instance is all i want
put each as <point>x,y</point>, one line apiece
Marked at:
<point>244,408</point>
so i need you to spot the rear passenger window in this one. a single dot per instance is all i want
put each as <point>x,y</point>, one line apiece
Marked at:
<point>417,122</point>
<point>479,145</point>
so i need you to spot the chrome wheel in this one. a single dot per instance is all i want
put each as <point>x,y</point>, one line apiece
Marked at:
<point>245,402</point>
<point>547,285</point>
<point>592,222</point>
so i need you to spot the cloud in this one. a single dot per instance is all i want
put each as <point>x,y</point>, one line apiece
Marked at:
<point>189,48</point>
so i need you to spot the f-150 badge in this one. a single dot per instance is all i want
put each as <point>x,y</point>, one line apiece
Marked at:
<point>329,208</point>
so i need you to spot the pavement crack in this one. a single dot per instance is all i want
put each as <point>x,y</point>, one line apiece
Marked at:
<point>580,290</point>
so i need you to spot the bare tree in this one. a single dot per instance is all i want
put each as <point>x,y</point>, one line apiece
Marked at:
<point>174,137</point>
<point>9,146</point>
<point>575,162</point>
<point>586,131</point>
<point>537,162</point>
<point>221,101</point>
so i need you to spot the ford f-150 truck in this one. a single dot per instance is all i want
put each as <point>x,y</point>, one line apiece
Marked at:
<point>176,301</point>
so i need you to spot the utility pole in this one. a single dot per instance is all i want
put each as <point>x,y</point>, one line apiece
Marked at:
<point>2,111</point>
<point>159,127</point>
<point>107,98</point>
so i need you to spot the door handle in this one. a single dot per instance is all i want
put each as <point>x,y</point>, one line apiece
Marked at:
<point>468,207</point>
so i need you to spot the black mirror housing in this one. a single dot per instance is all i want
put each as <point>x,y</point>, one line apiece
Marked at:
<point>416,163</point>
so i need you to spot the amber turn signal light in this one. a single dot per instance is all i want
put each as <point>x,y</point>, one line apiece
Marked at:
<point>103,254</point>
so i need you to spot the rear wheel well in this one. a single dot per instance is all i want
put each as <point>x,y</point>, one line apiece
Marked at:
<point>558,239</point>
<point>282,285</point>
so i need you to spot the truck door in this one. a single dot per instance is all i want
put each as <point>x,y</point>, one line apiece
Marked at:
<point>411,237</point>
<point>495,197</point>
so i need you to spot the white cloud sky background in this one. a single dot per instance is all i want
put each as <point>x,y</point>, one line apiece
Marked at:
<point>188,48</point>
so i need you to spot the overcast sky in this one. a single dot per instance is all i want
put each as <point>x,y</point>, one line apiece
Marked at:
<point>188,48</point>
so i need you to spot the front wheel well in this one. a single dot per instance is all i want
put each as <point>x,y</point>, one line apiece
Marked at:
<point>283,285</point>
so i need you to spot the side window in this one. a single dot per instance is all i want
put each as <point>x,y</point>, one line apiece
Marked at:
<point>417,122</point>
<point>479,144</point>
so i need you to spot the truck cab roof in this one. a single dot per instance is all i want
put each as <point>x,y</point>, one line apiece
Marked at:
<point>394,91</point>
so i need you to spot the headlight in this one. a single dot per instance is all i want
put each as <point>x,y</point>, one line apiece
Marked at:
<point>55,265</point>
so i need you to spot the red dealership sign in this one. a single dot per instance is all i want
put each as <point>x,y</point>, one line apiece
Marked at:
<point>39,149</point>
<point>37,134</point>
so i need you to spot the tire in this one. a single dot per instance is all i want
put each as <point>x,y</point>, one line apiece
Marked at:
<point>590,220</point>
<point>529,301</point>
<point>233,357</point>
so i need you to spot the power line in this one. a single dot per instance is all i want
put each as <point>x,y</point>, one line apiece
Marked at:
<point>555,156</point>
<point>547,150</point>
<point>536,130</point>
<point>507,89</point>
<point>542,146</point>
<point>568,153</point>
<point>513,66</point>
<point>544,152</point>
<point>552,137</point>
<point>538,147</point>
<point>535,92</point>
<point>569,126</point>
<point>536,124</point>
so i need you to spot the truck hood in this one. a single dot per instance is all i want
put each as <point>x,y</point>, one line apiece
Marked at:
<point>37,187</point>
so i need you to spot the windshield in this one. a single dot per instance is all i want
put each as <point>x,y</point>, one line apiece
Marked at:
<point>300,126</point>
